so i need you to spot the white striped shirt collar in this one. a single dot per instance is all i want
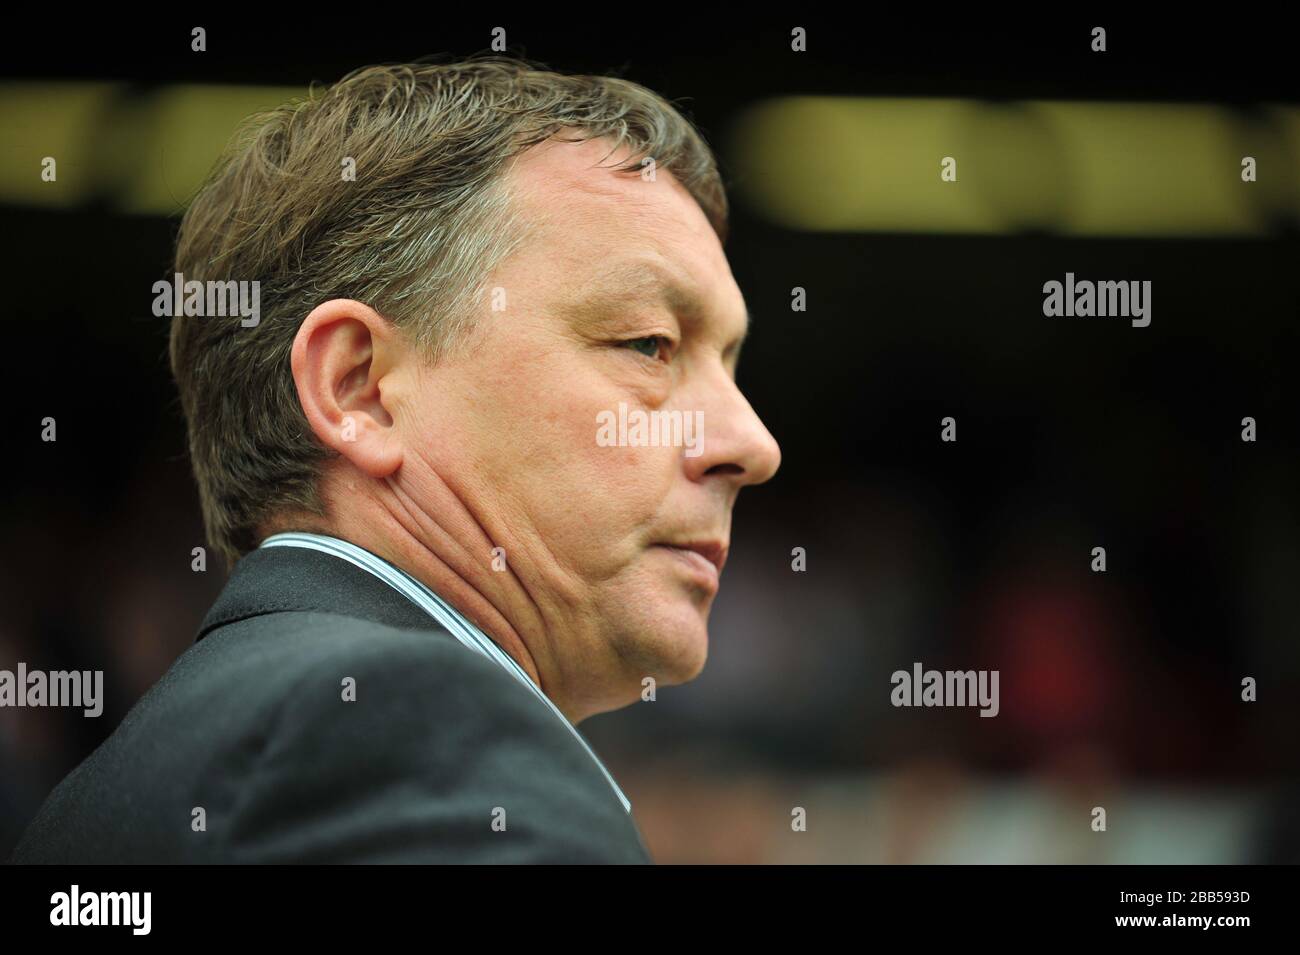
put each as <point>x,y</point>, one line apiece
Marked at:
<point>444,613</point>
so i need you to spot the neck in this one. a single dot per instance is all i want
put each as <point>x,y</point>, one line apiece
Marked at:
<point>450,553</point>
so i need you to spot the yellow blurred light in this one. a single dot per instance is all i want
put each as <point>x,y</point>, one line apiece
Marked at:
<point>1101,169</point>
<point>144,154</point>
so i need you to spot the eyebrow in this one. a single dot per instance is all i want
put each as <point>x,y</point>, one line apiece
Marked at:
<point>632,280</point>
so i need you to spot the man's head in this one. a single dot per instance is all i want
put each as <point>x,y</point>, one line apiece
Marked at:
<point>472,355</point>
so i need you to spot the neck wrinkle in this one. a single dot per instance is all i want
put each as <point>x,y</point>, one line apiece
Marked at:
<point>409,539</point>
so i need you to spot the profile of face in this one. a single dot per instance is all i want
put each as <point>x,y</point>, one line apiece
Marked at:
<point>601,548</point>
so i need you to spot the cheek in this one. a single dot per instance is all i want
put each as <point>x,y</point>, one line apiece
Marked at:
<point>605,493</point>
<point>591,503</point>
<point>528,428</point>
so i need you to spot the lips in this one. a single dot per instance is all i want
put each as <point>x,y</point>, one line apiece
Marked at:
<point>706,558</point>
<point>715,552</point>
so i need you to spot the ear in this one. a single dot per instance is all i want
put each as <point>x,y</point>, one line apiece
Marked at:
<point>341,355</point>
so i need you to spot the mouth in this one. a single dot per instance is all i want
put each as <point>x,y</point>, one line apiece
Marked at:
<point>705,558</point>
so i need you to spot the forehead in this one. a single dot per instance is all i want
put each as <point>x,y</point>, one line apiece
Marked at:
<point>605,231</point>
<point>580,179</point>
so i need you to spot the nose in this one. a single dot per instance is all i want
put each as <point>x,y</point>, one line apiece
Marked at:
<point>735,443</point>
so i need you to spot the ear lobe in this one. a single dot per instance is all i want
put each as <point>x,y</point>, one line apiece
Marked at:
<point>340,355</point>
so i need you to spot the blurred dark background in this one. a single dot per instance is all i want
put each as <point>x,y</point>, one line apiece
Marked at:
<point>1120,689</point>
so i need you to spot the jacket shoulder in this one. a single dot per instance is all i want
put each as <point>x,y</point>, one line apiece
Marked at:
<point>407,746</point>
<point>320,737</point>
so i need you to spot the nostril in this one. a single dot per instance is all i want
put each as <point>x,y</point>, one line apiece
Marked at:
<point>725,469</point>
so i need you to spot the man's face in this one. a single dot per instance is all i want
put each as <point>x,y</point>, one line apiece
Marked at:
<point>622,297</point>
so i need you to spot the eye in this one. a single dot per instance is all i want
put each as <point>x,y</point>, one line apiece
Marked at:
<point>650,345</point>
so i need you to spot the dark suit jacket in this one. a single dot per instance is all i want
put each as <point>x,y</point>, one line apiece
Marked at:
<point>250,725</point>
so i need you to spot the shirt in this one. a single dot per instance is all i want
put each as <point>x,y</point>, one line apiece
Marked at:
<point>470,636</point>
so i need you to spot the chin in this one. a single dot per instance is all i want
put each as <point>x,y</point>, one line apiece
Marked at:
<point>662,628</point>
<point>679,647</point>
